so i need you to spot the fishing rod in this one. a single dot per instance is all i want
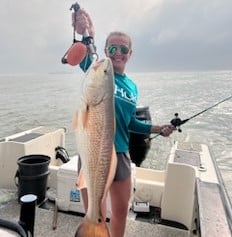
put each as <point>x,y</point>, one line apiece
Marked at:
<point>177,122</point>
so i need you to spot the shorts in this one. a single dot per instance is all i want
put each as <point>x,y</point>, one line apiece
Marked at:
<point>123,169</point>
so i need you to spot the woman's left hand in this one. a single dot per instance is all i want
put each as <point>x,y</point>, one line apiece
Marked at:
<point>82,22</point>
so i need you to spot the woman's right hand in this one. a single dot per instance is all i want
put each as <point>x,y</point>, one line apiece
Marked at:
<point>82,22</point>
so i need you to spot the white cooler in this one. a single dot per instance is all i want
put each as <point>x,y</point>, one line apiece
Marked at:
<point>68,196</point>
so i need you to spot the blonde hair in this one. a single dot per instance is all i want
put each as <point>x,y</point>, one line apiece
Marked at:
<point>118,33</point>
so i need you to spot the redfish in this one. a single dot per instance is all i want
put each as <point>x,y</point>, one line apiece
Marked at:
<point>94,128</point>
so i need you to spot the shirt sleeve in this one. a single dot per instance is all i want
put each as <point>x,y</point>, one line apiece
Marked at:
<point>85,63</point>
<point>138,126</point>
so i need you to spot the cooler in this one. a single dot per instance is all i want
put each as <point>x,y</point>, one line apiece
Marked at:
<point>68,196</point>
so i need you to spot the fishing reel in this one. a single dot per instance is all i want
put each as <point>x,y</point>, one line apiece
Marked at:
<point>177,122</point>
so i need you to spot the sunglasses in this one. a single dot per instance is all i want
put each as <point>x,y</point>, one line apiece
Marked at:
<point>112,49</point>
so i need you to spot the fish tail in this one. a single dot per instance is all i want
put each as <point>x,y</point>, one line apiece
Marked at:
<point>91,229</point>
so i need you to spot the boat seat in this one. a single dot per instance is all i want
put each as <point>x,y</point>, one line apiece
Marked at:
<point>178,198</point>
<point>149,186</point>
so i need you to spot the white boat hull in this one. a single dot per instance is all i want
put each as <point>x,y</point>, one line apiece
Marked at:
<point>188,194</point>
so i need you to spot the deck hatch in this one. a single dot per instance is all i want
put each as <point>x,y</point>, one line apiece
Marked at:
<point>189,146</point>
<point>187,157</point>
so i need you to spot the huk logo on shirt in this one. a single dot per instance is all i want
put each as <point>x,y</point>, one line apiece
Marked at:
<point>122,93</point>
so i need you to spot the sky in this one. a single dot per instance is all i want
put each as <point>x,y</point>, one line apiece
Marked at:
<point>167,35</point>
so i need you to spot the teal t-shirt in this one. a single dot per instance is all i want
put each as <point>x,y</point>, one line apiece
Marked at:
<point>125,94</point>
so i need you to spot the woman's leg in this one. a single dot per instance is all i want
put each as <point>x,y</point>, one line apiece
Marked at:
<point>120,192</point>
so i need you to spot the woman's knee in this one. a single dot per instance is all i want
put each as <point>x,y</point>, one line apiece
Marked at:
<point>120,212</point>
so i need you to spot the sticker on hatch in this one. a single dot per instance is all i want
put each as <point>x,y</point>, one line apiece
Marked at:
<point>75,195</point>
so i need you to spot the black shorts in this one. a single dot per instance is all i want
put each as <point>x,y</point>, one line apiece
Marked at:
<point>123,169</point>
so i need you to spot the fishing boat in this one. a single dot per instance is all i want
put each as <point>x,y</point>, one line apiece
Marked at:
<point>187,198</point>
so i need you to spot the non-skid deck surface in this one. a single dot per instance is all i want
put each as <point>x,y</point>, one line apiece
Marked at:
<point>67,224</point>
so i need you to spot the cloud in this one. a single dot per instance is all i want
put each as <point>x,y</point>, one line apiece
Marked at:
<point>167,34</point>
<point>187,36</point>
<point>34,35</point>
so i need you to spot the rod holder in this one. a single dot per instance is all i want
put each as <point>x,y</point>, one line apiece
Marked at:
<point>27,213</point>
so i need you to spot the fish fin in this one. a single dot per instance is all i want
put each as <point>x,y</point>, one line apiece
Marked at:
<point>83,118</point>
<point>110,178</point>
<point>74,123</point>
<point>80,182</point>
<point>89,229</point>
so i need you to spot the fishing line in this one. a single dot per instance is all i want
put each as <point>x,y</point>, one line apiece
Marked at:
<point>177,122</point>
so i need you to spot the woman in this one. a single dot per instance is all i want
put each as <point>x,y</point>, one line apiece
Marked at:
<point>118,47</point>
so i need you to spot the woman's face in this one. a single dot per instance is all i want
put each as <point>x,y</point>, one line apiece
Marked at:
<point>118,49</point>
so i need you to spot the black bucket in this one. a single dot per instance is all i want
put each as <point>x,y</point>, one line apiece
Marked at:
<point>32,176</point>
<point>138,145</point>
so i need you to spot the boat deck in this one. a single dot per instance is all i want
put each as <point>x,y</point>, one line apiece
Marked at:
<point>190,169</point>
<point>67,223</point>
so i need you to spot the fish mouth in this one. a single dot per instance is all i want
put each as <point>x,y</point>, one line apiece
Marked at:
<point>105,61</point>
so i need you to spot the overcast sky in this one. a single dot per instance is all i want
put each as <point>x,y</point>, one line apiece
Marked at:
<point>167,34</point>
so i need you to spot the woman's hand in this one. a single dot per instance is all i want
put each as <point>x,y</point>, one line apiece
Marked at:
<point>82,22</point>
<point>166,130</point>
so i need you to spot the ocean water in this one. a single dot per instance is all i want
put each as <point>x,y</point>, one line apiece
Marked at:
<point>32,100</point>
